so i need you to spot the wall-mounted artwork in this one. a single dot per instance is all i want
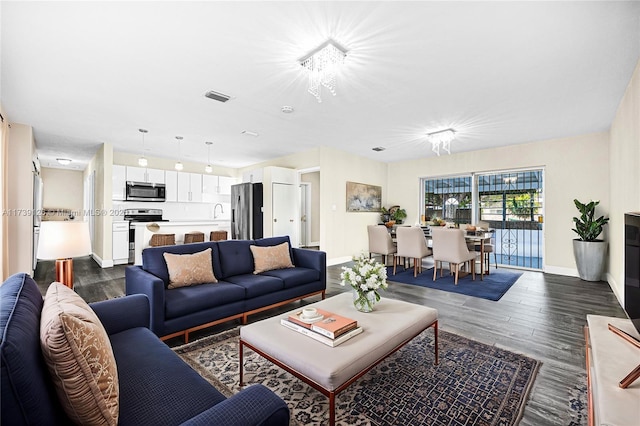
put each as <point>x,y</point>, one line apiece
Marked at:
<point>363,198</point>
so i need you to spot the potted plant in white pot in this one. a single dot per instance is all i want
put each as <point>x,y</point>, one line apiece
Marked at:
<point>589,252</point>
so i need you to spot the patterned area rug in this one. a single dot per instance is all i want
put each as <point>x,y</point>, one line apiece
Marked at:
<point>474,384</point>
<point>491,287</point>
<point>578,403</point>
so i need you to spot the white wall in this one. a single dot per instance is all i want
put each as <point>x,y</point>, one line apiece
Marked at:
<point>102,244</point>
<point>625,178</point>
<point>62,189</point>
<point>575,167</point>
<point>344,234</point>
<point>20,198</point>
<point>313,179</point>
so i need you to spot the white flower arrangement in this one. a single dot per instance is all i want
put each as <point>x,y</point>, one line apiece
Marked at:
<point>365,276</point>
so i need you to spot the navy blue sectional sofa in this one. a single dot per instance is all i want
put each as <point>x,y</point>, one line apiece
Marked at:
<point>156,387</point>
<point>238,293</point>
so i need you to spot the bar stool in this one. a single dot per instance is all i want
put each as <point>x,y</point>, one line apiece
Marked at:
<point>194,237</point>
<point>162,240</point>
<point>218,236</point>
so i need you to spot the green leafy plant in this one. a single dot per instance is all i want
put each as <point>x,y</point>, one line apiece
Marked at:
<point>587,227</point>
<point>400,214</point>
<point>384,215</point>
<point>393,214</point>
<point>523,206</point>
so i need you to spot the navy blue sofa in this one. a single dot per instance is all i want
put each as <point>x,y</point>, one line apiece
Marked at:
<point>238,293</point>
<point>156,386</point>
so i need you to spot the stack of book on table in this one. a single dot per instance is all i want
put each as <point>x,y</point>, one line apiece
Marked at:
<point>327,327</point>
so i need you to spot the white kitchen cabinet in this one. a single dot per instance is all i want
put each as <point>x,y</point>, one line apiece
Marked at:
<point>196,187</point>
<point>120,242</point>
<point>143,174</point>
<point>118,189</point>
<point>171,186</point>
<point>155,176</point>
<point>224,184</point>
<point>136,174</point>
<point>189,187</point>
<point>209,188</point>
<point>213,186</point>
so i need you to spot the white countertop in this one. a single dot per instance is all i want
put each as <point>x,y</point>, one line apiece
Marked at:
<point>184,222</point>
<point>177,227</point>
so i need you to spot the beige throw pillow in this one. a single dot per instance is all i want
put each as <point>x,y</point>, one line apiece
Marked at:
<point>189,269</point>
<point>271,257</point>
<point>80,359</point>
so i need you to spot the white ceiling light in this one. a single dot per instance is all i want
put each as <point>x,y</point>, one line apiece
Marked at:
<point>208,169</point>
<point>441,138</point>
<point>322,65</point>
<point>179,165</point>
<point>142,161</point>
<point>63,161</point>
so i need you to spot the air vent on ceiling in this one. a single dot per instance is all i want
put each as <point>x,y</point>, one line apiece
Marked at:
<point>217,96</point>
<point>378,148</point>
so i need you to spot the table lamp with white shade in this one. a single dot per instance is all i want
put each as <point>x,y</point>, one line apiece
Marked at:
<point>62,241</point>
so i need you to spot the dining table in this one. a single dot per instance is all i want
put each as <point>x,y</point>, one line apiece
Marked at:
<point>477,236</point>
<point>480,237</point>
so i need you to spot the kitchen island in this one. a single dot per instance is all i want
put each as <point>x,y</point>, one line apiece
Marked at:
<point>179,228</point>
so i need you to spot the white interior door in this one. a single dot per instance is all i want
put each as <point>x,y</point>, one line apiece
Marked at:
<point>286,207</point>
<point>305,214</point>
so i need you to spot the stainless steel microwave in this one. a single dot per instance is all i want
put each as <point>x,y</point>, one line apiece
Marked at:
<point>142,191</point>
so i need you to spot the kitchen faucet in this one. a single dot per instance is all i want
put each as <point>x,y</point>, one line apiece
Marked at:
<point>214,210</point>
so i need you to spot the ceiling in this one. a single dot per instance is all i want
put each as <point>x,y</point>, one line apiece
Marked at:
<point>499,73</point>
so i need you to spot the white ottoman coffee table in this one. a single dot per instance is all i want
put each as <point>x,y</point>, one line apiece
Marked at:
<point>328,369</point>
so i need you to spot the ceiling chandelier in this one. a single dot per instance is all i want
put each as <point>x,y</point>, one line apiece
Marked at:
<point>322,65</point>
<point>441,138</point>
<point>179,165</point>
<point>208,169</point>
<point>142,161</point>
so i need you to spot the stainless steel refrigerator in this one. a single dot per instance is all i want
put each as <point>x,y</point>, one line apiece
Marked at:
<point>246,211</point>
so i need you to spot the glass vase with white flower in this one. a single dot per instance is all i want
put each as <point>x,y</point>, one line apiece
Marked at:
<point>366,277</point>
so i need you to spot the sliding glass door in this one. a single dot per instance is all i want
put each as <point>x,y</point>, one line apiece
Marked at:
<point>510,202</point>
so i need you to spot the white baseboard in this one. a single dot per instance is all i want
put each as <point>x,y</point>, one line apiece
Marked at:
<point>559,270</point>
<point>338,260</point>
<point>103,263</point>
<point>614,288</point>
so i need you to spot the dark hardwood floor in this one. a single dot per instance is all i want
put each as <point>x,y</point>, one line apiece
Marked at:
<point>541,316</point>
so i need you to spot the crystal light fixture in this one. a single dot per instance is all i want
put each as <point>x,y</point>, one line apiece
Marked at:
<point>179,165</point>
<point>441,138</point>
<point>322,65</point>
<point>142,161</point>
<point>208,169</point>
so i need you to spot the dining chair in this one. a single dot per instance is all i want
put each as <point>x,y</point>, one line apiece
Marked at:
<point>450,246</point>
<point>412,244</point>
<point>380,242</point>
<point>464,227</point>
<point>488,247</point>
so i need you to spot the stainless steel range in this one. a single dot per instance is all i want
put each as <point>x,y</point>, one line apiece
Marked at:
<point>137,216</point>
